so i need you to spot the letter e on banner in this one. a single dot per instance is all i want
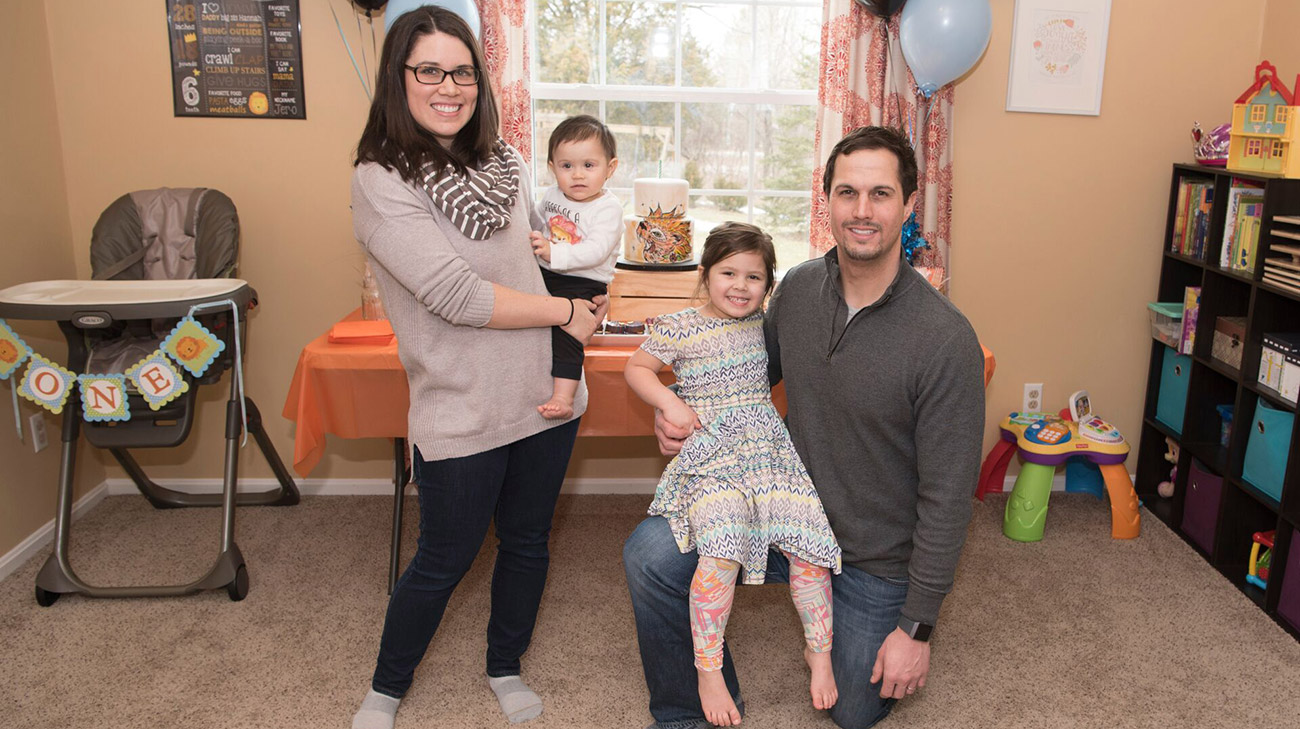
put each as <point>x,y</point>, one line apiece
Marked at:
<point>157,379</point>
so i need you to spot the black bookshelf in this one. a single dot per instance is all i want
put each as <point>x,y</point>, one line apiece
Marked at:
<point>1242,509</point>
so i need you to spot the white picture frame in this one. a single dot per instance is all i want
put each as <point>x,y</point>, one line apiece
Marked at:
<point>1058,56</point>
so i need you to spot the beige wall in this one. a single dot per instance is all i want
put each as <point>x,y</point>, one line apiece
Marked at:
<point>36,244</point>
<point>1057,219</point>
<point>1279,46</point>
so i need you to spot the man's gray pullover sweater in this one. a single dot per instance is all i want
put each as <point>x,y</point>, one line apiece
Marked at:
<point>887,412</point>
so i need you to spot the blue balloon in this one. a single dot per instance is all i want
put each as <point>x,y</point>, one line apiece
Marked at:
<point>942,39</point>
<point>464,8</point>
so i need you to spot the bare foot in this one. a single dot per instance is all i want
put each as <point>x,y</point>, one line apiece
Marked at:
<point>557,408</point>
<point>823,690</point>
<point>719,709</point>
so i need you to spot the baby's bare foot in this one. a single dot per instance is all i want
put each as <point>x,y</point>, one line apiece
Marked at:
<point>719,709</point>
<point>557,408</point>
<point>823,690</point>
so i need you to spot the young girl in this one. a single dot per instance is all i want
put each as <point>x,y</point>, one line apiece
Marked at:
<point>737,489</point>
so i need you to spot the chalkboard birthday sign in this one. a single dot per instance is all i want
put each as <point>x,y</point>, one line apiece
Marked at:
<point>236,58</point>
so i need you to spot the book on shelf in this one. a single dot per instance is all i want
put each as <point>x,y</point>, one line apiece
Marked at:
<point>1239,188</point>
<point>1191,307</point>
<point>1245,240</point>
<point>1195,199</point>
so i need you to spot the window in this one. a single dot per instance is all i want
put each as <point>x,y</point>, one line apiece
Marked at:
<point>1278,148</point>
<point>1258,113</point>
<point>1253,147</point>
<point>1280,113</point>
<point>722,93</point>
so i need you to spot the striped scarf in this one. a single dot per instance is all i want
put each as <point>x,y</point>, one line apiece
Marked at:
<point>477,202</point>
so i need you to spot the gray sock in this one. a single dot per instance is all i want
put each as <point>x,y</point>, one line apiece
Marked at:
<point>377,712</point>
<point>518,702</point>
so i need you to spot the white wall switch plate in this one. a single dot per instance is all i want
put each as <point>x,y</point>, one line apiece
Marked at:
<point>36,423</point>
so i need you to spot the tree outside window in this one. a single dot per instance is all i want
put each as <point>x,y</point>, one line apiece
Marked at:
<point>722,94</point>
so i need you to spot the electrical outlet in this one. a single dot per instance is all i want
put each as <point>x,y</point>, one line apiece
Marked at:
<point>36,423</point>
<point>1033,400</point>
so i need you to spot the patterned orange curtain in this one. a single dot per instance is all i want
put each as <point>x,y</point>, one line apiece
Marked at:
<point>505,46</point>
<point>865,81</point>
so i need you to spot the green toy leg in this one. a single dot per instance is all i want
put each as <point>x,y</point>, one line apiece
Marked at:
<point>1026,511</point>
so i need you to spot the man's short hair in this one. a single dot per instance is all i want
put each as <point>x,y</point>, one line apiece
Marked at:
<point>887,138</point>
<point>578,128</point>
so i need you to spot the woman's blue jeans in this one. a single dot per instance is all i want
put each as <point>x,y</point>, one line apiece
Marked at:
<point>515,486</point>
<point>866,610</point>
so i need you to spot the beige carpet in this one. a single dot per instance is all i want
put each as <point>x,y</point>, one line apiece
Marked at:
<point>1078,630</point>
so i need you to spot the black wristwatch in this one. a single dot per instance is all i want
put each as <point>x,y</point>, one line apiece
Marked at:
<point>915,630</point>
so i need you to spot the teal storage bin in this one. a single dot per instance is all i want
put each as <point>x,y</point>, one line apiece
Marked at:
<point>1267,449</point>
<point>1172,400</point>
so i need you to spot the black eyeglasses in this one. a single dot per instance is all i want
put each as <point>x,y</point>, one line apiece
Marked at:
<point>432,75</point>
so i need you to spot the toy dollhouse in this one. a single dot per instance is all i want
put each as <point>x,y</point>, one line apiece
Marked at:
<point>1263,129</point>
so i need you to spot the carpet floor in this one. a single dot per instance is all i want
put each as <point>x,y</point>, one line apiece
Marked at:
<point>1077,630</point>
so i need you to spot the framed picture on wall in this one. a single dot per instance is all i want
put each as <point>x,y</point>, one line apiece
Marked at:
<point>1058,56</point>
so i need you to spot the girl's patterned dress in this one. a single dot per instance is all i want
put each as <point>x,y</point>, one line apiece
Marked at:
<point>738,487</point>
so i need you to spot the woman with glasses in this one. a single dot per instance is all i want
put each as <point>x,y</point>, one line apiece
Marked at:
<point>441,206</point>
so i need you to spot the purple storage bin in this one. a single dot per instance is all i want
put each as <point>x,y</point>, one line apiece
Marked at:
<point>1201,508</point>
<point>1288,604</point>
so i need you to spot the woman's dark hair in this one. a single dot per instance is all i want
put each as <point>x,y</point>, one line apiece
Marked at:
<point>730,238</point>
<point>392,137</point>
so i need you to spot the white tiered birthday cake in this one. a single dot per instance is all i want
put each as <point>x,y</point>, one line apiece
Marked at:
<point>659,234</point>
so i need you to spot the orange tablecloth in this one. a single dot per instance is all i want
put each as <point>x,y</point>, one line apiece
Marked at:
<point>359,391</point>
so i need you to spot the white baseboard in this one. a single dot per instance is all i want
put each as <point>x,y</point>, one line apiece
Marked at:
<point>42,537</point>
<point>366,486</point>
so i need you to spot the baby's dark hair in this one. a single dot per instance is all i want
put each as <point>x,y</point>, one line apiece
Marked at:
<point>731,238</point>
<point>579,128</point>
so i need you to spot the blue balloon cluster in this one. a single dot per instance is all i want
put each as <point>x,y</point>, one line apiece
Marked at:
<point>464,8</point>
<point>942,39</point>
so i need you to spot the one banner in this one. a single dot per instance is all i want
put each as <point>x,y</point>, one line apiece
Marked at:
<point>13,351</point>
<point>157,380</point>
<point>236,58</point>
<point>192,346</point>
<point>47,384</point>
<point>103,397</point>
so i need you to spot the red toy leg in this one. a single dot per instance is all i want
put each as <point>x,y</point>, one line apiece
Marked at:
<point>993,472</point>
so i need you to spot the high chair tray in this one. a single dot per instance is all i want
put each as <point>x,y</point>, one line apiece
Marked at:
<point>69,300</point>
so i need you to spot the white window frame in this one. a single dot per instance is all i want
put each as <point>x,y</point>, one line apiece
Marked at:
<point>678,95</point>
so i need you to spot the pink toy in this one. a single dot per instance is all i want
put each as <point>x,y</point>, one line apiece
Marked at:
<point>1211,149</point>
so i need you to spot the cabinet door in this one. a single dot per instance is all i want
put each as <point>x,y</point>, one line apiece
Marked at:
<point>1201,508</point>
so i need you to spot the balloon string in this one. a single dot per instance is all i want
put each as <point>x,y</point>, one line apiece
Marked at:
<point>360,45</point>
<point>364,86</point>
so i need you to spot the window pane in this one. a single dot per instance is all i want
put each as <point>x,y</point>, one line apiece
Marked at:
<point>784,144</point>
<point>568,41</point>
<point>642,42</point>
<point>708,211</point>
<point>546,115</point>
<point>789,42</point>
<point>786,220</point>
<point>717,45</point>
<point>645,137</point>
<point>715,145</point>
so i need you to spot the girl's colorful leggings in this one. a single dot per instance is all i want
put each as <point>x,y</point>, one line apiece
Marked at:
<point>714,588</point>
